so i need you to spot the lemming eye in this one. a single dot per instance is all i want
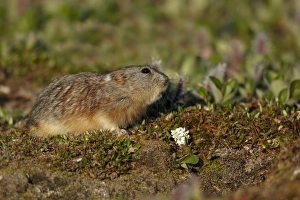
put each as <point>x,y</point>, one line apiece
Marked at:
<point>145,70</point>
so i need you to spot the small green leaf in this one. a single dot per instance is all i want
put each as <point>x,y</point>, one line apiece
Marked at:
<point>229,88</point>
<point>190,159</point>
<point>256,115</point>
<point>270,76</point>
<point>241,139</point>
<point>184,165</point>
<point>295,89</point>
<point>249,86</point>
<point>276,86</point>
<point>216,89</point>
<point>217,94</point>
<point>265,144</point>
<point>10,121</point>
<point>217,82</point>
<point>260,93</point>
<point>202,92</point>
<point>243,92</point>
<point>175,164</point>
<point>283,94</point>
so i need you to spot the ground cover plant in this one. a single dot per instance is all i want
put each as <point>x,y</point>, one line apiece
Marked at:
<point>227,128</point>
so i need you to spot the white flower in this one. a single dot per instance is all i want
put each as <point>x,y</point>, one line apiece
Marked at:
<point>180,136</point>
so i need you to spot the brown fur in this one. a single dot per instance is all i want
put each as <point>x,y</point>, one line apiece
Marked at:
<point>89,100</point>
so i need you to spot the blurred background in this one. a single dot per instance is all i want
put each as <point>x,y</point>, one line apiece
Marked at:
<point>42,39</point>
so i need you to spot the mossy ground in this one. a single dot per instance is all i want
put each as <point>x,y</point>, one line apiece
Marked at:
<point>240,148</point>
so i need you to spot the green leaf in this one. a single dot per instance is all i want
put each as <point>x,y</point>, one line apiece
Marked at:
<point>260,93</point>
<point>217,82</point>
<point>265,144</point>
<point>243,92</point>
<point>202,92</point>
<point>269,95</point>
<point>249,86</point>
<point>10,121</point>
<point>184,165</point>
<point>283,94</point>
<point>228,89</point>
<point>276,86</point>
<point>190,159</point>
<point>217,94</point>
<point>270,76</point>
<point>295,89</point>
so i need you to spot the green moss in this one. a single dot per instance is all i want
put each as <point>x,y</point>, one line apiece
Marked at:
<point>212,166</point>
<point>90,153</point>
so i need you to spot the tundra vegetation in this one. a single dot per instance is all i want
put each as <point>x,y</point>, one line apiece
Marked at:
<point>228,127</point>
